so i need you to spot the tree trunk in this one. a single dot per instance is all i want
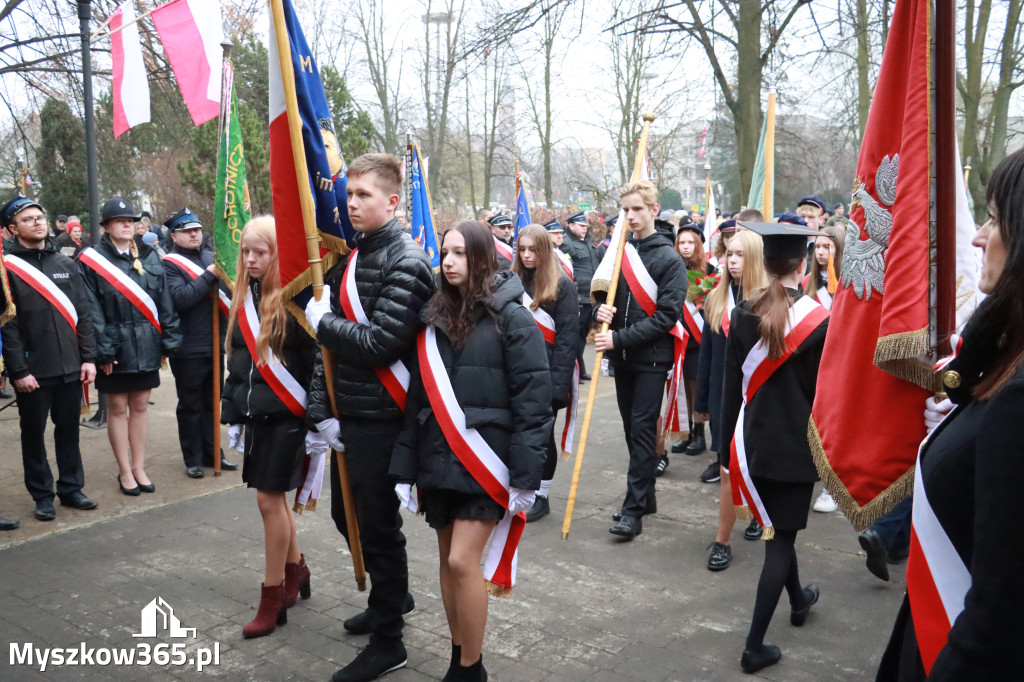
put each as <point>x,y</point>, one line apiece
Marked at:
<point>863,65</point>
<point>546,139</point>
<point>747,108</point>
<point>970,85</point>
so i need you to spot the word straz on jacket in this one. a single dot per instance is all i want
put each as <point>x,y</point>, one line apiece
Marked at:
<point>195,272</point>
<point>124,284</point>
<point>288,390</point>
<point>45,287</point>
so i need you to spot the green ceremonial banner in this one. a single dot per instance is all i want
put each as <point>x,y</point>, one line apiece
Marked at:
<point>231,202</point>
<point>756,197</point>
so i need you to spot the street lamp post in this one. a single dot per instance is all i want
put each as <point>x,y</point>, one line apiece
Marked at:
<point>84,18</point>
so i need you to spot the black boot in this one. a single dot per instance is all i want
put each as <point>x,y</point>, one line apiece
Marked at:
<point>98,420</point>
<point>697,444</point>
<point>680,447</point>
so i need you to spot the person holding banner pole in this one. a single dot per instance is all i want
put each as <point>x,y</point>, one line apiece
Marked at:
<point>551,298</point>
<point>477,424</point>
<point>136,327</point>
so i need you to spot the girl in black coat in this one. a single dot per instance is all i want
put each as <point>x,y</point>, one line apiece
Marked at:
<point>554,294</point>
<point>493,354</point>
<point>275,433</point>
<point>773,459</point>
<point>971,467</point>
<point>129,345</point>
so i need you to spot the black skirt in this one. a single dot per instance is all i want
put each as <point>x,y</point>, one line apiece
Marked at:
<point>787,503</point>
<point>274,449</point>
<point>127,382</point>
<point>442,507</point>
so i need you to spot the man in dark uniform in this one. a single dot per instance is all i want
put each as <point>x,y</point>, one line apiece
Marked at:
<point>501,228</point>
<point>192,279</point>
<point>585,258</point>
<point>50,351</point>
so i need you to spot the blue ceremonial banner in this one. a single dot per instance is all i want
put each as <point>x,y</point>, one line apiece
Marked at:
<point>421,215</point>
<point>522,207</point>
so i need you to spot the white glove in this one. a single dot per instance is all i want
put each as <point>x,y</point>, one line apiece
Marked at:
<point>316,309</point>
<point>405,498</point>
<point>935,412</point>
<point>330,429</point>
<point>316,444</point>
<point>236,438</point>
<point>520,500</point>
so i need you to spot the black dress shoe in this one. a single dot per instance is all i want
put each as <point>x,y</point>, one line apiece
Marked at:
<point>8,524</point>
<point>811,594</point>
<point>628,527</point>
<point>652,508</point>
<point>680,447</point>
<point>541,508</point>
<point>874,547</point>
<point>375,660</point>
<point>752,661</point>
<point>359,624</point>
<point>584,377</point>
<point>45,510</point>
<point>720,557</point>
<point>753,531</point>
<point>697,442</point>
<point>194,472</point>
<point>131,492</point>
<point>78,500</point>
<point>5,395</point>
<point>147,487</point>
<point>225,465</point>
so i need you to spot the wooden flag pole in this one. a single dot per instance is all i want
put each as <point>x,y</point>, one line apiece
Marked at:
<point>641,154</point>
<point>768,199</point>
<point>316,269</point>
<point>945,175</point>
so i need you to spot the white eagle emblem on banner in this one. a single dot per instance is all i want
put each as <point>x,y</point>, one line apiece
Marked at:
<point>864,260</point>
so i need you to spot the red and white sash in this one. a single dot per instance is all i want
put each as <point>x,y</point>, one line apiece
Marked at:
<point>566,262</point>
<point>195,272</point>
<point>477,456</point>
<point>730,303</point>
<point>124,284</point>
<point>278,378</point>
<point>645,291</point>
<point>45,287</point>
<point>396,377</point>
<point>547,328</point>
<point>821,295</point>
<point>804,317</point>
<point>504,250</point>
<point>693,321</point>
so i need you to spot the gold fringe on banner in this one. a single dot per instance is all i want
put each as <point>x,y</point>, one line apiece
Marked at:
<point>900,355</point>
<point>860,516</point>
<point>306,278</point>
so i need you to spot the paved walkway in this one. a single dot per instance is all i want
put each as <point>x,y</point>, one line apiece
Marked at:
<point>590,608</point>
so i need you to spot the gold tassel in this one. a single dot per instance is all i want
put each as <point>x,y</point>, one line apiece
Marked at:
<point>566,455</point>
<point>833,281</point>
<point>768,533</point>
<point>297,507</point>
<point>743,512</point>
<point>311,505</point>
<point>496,590</point>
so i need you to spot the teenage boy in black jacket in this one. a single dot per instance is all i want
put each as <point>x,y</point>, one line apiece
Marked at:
<point>641,349</point>
<point>49,348</point>
<point>393,280</point>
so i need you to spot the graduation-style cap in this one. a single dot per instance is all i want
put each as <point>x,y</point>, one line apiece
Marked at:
<point>577,218</point>
<point>782,240</point>
<point>554,226</point>
<point>500,220</point>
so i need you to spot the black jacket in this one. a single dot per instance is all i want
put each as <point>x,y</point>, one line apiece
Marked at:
<point>394,279</point>
<point>246,394</point>
<point>122,332</point>
<point>501,382</point>
<point>561,355</point>
<point>585,258</point>
<point>710,375</point>
<point>192,302</point>
<point>38,340</point>
<point>643,342</point>
<point>775,421</point>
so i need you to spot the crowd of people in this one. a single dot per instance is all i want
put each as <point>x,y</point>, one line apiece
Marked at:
<point>451,382</point>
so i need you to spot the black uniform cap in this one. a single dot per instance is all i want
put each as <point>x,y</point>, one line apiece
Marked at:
<point>577,218</point>
<point>695,228</point>
<point>554,226</point>
<point>184,219</point>
<point>16,206</point>
<point>500,220</point>
<point>117,208</point>
<point>782,240</point>
<point>612,219</point>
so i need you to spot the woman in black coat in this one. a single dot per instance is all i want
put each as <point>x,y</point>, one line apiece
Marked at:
<point>970,470</point>
<point>494,360</point>
<point>131,337</point>
<point>552,297</point>
<point>269,416</point>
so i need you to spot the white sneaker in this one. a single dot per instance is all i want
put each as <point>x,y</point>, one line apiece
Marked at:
<point>825,503</point>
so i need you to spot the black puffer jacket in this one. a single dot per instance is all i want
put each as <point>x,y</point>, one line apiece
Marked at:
<point>562,354</point>
<point>501,382</point>
<point>585,258</point>
<point>192,302</point>
<point>38,340</point>
<point>643,342</point>
<point>122,332</point>
<point>246,394</point>
<point>394,279</point>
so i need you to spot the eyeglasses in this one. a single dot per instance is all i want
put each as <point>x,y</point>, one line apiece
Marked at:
<point>32,220</point>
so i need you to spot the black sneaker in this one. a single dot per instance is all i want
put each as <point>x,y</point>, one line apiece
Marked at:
<point>721,556</point>
<point>661,465</point>
<point>713,474</point>
<point>372,662</point>
<point>541,508</point>
<point>753,531</point>
<point>359,624</point>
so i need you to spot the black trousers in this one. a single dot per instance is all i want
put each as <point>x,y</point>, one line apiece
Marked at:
<point>61,402</point>
<point>554,448</point>
<point>639,395</point>
<point>193,382</point>
<point>585,324</point>
<point>368,446</point>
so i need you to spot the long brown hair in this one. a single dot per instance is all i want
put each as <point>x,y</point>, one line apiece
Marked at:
<point>772,305</point>
<point>545,275</point>
<point>838,237</point>
<point>448,305</point>
<point>753,278</point>
<point>273,318</point>
<point>698,262</point>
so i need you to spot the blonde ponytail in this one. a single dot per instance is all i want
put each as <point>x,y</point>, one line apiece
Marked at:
<point>133,249</point>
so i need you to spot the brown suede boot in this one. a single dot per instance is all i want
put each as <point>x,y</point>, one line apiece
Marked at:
<point>272,611</point>
<point>296,581</point>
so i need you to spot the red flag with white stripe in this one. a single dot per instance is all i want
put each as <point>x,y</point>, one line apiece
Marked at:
<point>191,33</point>
<point>131,87</point>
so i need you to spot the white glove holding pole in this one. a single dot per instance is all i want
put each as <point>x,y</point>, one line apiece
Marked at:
<point>316,444</point>
<point>316,309</point>
<point>236,438</point>
<point>520,500</point>
<point>330,429</point>
<point>405,498</point>
<point>935,412</point>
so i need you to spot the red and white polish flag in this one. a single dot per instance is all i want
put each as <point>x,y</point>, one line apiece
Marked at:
<point>191,33</point>
<point>131,87</point>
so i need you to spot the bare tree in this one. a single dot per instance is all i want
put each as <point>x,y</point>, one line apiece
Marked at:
<point>384,63</point>
<point>441,56</point>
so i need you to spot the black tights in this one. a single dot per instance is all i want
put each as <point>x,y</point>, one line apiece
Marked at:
<point>779,570</point>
